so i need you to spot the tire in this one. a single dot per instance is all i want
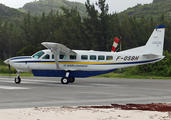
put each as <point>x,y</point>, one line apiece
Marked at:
<point>64,80</point>
<point>17,80</point>
<point>71,79</point>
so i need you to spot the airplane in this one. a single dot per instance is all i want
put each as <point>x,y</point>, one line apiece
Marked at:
<point>60,61</point>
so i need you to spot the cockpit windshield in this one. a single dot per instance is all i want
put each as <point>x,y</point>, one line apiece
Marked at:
<point>38,55</point>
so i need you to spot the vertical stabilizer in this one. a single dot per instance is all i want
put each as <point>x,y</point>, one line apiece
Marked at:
<point>156,41</point>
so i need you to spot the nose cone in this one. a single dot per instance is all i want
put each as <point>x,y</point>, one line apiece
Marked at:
<point>7,61</point>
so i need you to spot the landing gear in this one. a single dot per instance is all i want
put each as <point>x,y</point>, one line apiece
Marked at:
<point>71,79</point>
<point>67,79</point>
<point>17,80</point>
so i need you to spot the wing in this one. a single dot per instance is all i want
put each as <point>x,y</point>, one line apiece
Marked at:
<point>57,49</point>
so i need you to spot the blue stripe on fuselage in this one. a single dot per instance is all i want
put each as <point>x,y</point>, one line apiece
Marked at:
<point>62,73</point>
<point>16,58</point>
<point>33,61</point>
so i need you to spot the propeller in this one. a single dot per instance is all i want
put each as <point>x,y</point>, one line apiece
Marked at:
<point>9,67</point>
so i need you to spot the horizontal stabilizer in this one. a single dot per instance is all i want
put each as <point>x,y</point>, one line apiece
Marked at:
<point>150,54</point>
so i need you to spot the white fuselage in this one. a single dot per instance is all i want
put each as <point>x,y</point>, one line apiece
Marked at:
<point>82,61</point>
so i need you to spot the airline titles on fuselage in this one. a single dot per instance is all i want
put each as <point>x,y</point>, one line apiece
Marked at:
<point>71,65</point>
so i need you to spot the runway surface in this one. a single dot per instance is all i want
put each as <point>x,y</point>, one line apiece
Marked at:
<point>45,92</point>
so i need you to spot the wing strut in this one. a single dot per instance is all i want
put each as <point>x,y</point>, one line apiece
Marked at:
<point>56,53</point>
<point>56,49</point>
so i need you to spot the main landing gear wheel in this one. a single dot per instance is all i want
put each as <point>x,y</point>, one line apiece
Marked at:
<point>65,80</point>
<point>71,79</point>
<point>17,80</point>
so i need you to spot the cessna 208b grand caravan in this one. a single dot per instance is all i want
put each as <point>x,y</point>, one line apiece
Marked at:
<point>59,61</point>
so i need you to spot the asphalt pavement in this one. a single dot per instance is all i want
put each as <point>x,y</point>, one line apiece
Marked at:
<point>47,92</point>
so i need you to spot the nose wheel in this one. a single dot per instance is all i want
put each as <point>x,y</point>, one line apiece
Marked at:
<point>17,80</point>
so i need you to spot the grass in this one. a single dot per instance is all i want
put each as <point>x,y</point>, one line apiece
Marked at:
<point>4,71</point>
<point>14,74</point>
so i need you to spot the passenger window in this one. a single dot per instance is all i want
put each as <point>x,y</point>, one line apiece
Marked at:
<point>84,57</point>
<point>62,56</point>
<point>109,57</point>
<point>46,56</point>
<point>101,57</point>
<point>92,57</point>
<point>73,57</point>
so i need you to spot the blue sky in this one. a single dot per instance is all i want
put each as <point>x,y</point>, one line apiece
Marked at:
<point>114,5</point>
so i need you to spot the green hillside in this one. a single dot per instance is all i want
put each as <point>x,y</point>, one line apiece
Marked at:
<point>10,14</point>
<point>38,7</point>
<point>154,9</point>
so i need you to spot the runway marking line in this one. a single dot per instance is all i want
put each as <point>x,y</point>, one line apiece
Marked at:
<point>13,88</point>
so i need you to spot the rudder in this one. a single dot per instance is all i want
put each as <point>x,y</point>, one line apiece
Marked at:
<point>156,41</point>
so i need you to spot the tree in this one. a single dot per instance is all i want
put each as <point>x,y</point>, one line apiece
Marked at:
<point>125,33</point>
<point>162,19</point>
<point>92,24</point>
<point>99,23</point>
<point>113,29</point>
<point>27,30</point>
<point>72,29</point>
<point>104,20</point>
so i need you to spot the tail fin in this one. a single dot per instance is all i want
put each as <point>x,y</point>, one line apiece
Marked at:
<point>156,42</point>
<point>115,44</point>
<point>154,45</point>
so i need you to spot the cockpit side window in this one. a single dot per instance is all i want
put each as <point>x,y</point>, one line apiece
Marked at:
<point>47,56</point>
<point>38,55</point>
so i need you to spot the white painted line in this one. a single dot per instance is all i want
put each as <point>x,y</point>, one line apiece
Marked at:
<point>13,88</point>
<point>32,80</point>
<point>106,85</point>
<point>5,78</point>
<point>7,81</point>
